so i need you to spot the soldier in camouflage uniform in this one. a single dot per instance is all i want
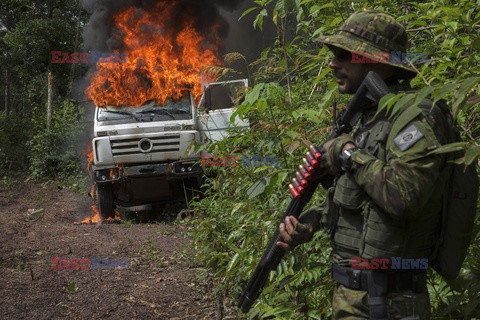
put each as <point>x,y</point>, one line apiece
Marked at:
<point>386,198</point>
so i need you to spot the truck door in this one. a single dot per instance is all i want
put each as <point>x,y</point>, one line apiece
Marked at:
<point>216,107</point>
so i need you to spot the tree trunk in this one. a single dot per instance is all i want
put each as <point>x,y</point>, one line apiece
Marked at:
<point>49,99</point>
<point>75,47</point>
<point>7,91</point>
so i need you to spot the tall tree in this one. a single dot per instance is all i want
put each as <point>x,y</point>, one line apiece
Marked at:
<point>41,27</point>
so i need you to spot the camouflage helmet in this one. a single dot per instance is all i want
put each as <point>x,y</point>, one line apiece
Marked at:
<point>373,32</point>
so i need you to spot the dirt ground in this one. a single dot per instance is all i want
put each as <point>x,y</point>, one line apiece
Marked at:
<point>160,282</point>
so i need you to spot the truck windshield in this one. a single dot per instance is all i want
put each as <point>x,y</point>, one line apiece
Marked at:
<point>170,110</point>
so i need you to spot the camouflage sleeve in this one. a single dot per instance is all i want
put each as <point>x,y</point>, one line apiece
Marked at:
<point>403,184</point>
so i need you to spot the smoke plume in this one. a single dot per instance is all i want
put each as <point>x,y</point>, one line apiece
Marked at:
<point>100,33</point>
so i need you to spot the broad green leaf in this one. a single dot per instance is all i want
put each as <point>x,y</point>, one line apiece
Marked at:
<point>233,262</point>
<point>258,187</point>
<point>472,154</point>
<point>259,19</point>
<point>309,114</point>
<point>292,134</point>
<point>317,33</point>
<point>247,12</point>
<point>240,111</point>
<point>315,314</point>
<point>252,95</point>
<point>451,147</point>
<point>422,94</point>
<point>314,10</point>
<point>402,102</point>
<point>236,207</point>
<point>261,105</point>
<point>276,181</point>
<point>286,280</point>
<point>336,21</point>
<point>275,17</point>
<point>269,289</point>
<point>461,93</point>
<point>328,97</point>
<point>281,8</point>
<point>387,101</point>
<point>443,91</point>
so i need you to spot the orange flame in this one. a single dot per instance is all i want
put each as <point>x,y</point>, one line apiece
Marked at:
<point>95,217</point>
<point>89,154</point>
<point>161,63</point>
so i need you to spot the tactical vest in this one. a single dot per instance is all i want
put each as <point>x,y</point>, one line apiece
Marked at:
<point>358,227</point>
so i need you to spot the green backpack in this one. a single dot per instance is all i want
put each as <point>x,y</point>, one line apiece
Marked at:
<point>459,210</point>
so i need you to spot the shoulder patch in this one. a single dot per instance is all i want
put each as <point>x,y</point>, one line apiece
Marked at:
<point>408,137</point>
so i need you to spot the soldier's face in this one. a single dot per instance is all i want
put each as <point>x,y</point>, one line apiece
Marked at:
<point>349,75</point>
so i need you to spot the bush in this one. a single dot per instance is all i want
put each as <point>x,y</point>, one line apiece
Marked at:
<point>13,135</point>
<point>54,152</point>
<point>289,110</point>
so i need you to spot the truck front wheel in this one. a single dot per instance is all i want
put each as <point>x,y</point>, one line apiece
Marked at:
<point>105,200</point>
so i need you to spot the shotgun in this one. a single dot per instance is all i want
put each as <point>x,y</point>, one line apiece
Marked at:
<point>306,180</point>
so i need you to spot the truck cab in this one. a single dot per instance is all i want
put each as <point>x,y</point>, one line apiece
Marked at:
<point>147,155</point>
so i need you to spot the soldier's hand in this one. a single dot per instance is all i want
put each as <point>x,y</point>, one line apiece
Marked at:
<point>294,233</point>
<point>332,150</point>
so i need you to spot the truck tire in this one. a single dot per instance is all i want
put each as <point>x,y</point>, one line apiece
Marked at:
<point>105,200</point>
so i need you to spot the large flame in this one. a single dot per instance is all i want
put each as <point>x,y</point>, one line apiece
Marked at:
<point>94,216</point>
<point>162,63</point>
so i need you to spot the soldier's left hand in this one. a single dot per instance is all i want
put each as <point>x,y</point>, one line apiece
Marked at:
<point>333,148</point>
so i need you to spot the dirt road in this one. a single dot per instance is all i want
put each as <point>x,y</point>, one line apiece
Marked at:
<point>150,274</point>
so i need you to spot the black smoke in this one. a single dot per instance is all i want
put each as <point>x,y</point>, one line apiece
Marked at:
<point>100,33</point>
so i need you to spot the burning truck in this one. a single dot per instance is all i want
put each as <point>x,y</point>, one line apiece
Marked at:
<point>154,107</point>
<point>147,154</point>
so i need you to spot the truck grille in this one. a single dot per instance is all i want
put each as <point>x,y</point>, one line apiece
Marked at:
<point>131,146</point>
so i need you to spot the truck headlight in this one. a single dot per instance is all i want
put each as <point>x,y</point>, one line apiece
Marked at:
<point>102,151</point>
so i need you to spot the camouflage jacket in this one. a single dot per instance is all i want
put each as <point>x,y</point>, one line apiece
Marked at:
<point>389,203</point>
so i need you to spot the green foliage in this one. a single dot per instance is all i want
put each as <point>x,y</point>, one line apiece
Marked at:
<point>13,134</point>
<point>54,152</point>
<point>33,40</point>
<point>289,109</point>
<point>30,31</point>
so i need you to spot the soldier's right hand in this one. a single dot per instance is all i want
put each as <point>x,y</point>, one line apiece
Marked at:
<point>294,233</point>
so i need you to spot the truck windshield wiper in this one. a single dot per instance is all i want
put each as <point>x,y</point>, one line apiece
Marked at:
<point>158,110</point>
<point>183,111</point>
<point>122,113</point>
<point>119,112</point>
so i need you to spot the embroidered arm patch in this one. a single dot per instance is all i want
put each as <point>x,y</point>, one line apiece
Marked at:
<point>408,137</point>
